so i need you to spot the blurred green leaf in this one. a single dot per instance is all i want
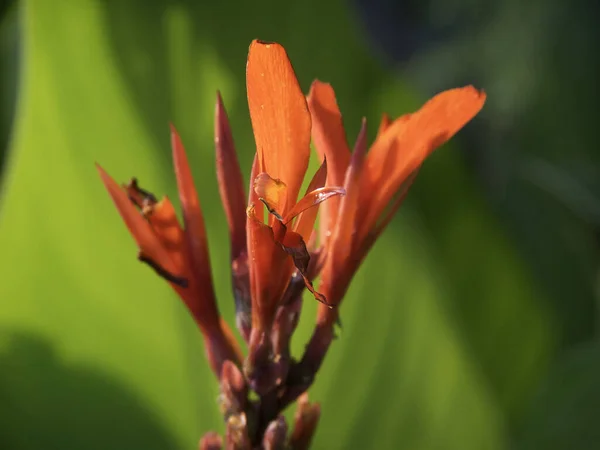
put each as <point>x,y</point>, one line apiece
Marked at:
<point>444,331</point>
<point>565,411</point>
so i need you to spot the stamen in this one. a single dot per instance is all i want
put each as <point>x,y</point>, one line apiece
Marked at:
<point>162,272</point>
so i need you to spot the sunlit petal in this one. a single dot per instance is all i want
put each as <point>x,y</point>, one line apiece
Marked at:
<point>271,192</point>
<point>329,139</point>
<point>280,117</point>
<point>409,140</point>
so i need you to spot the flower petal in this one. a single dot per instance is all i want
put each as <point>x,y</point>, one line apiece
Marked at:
<point>195,231</point>
<point>230,179</point>
<point>269,267</point>
<point>306,220</point>
<point>329,139</point>
<point>313,198</point>
<point>295,246</point>
<point>384,124</point>
<point>271,192</point>
<point>280,117</point>
<point>403,147</point>
<point>335,276</point>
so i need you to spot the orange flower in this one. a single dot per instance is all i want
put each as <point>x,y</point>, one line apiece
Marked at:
<point>376,182</point>
<point>178,254</point>
<point>281,124</point>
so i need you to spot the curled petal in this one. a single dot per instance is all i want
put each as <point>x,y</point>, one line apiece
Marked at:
<point>280,117</point>
<point>312,199</point>
<point>230,180</point>
<point>295,246</point>
<point>271,192</point>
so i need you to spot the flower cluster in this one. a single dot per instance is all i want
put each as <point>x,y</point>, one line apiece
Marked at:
<point>276,252</point>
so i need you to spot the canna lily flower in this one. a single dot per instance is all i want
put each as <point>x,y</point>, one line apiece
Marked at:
<point>277,248</point>
<point>178,254</point>
<point>273,252</point>
<point>376,184</point>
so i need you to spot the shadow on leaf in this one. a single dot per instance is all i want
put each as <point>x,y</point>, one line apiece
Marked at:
<point>46,402</point>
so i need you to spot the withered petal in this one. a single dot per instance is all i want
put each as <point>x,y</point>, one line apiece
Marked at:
<point>231,183</point>
<point>147,241</point>
<point>280,117</point>
<point>295,246</point>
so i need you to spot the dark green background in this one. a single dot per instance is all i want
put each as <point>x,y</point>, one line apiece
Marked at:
<point>472,325</point>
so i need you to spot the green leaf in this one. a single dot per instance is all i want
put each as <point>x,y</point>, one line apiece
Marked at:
<point>565,411</point>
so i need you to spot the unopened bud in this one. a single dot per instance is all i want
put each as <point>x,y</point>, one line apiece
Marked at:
<point>211,441</point>
<point>275,435</point>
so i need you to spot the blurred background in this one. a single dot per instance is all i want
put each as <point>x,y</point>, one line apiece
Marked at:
<point>472,325</point>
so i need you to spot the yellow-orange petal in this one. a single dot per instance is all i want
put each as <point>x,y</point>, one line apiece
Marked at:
<point>280,117</point>
<point>231,183</point>
<point>403,147</point>
<point>271,192</point>
<point>140,229</point>
<point>195,231</point>
<point>329,139</point>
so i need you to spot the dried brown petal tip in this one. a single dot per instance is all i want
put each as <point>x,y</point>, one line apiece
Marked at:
<point>305,423</point>
<point>211,441</point>
<point>275,435</point>
<point>236,433</point>
<point>234,390</point>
